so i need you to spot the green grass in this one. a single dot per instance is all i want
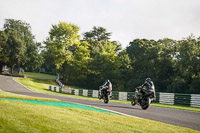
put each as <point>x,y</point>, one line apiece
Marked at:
<point>41,85</point>
<point>59,104</point>
<point>39,75</point>
<point>17,116</point>
<point>4,94</point>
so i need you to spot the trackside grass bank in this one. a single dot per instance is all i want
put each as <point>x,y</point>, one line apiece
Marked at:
<point>4,94</point>
<point>18,116</point>
<point>58,104</point>
<point>39,75</point>
<point>41,85</point>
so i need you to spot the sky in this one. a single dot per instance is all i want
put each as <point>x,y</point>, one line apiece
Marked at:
<point>125,19</point>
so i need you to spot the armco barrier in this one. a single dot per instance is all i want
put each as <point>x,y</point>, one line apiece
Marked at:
<point>90,93</point>
<point>123,96</point>
<point>115,95</point>
<point>55,89</point>
<point>80,92</point>
<point>192,100</point>
<point>76,92</point>
<point>195,100</point>
<point>166,98</point>
<point>130,96</point>
<point>182,99</point>
<point>95,93</point>
<point>85,93</point>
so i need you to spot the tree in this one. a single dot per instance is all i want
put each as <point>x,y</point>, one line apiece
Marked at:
<point>17,50</point>
<point>105,62</point>
<point>105,65</point>
<point>98,34</point>
<point>173,65</point>
<point>79,68</point>
<point>61,43</point>
<point>22,50</point>
<point>143,54</point>
<point>165,68</point>
<point>125,68</point>
<point>35,60</point>
<point>188,64</point>
<point>49,66</point>
<point>4,55</point>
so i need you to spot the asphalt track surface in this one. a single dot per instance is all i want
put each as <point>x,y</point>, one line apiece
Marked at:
<point>189,119</point>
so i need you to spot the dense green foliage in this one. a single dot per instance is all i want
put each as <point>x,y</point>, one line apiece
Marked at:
<point>17,46</point>
<point>173,65</point>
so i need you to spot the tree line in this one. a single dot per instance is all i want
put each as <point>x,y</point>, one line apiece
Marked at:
<point>18,47</point>
<point>173,65</point>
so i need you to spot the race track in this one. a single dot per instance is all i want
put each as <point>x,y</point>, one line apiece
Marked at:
<point>177,117</point>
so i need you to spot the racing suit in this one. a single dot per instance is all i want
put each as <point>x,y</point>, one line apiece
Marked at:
<point>106,86</point>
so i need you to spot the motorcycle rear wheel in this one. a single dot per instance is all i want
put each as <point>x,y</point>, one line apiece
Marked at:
<point>105,98</point>
<point>145,103</point>
<point>99,96</point>
<point>133,102</point>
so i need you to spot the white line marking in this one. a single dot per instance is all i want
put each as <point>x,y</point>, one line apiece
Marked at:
<point>108,110</point>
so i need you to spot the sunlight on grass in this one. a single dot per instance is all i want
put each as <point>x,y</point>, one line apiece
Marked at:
<point>39,75</point>
<point>4,94</point>
<point>41,85</point>
<point>19,116</point>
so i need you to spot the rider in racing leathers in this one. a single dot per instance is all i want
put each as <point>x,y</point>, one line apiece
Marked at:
<point>106,86</point>
<point>148,84</point>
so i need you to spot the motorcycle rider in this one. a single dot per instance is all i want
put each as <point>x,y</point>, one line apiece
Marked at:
<point>106,86</point>
<point>148,84</point>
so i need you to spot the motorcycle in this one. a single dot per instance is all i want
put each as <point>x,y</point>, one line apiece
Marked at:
<point>143,96</point>
<point>104,94</point>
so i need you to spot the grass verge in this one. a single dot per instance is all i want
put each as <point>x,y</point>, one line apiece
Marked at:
<point>41,85</point>
<point>4,94</point>
<point>39,75</point>
<point>17,116</point>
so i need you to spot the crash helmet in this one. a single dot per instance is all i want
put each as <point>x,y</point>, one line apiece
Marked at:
<point>148,80</point>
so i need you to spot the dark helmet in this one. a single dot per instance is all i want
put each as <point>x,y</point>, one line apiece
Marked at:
<point>148,79</point>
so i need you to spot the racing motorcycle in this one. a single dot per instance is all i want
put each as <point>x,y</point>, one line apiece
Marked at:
<point>143,96</point>
<point>104,94</point>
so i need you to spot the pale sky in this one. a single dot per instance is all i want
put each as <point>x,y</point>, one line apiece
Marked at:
<point>126,19</point>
